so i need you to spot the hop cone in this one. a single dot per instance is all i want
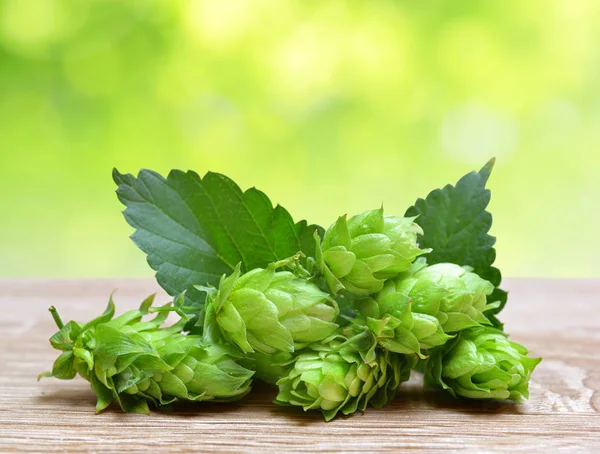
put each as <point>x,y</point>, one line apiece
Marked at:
<point>395,326</point>
<point>481,364</point>
<point>268,368</point>
<point>267,311</point>
<point>453,294</point>
<point>359,254</point>
<point>333,376</point>
<point>134,362</point>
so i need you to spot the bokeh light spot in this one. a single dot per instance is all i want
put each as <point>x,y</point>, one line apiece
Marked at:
<point>473,132</point>
<point>219,23</point>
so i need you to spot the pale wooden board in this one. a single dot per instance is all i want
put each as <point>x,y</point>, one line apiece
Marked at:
<point>559,320</point>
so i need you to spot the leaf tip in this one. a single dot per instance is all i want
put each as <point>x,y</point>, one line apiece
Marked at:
<point>117,176</point>
<point>486,170</point>
<point>44,374</point>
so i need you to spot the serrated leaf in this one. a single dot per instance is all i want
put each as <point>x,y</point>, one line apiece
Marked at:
<point>195,229</point>
<point>456,225</point>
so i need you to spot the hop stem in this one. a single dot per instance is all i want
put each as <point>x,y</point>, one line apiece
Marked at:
<point>56,317</point>
<point>291,262</point>
<point>348,342</point>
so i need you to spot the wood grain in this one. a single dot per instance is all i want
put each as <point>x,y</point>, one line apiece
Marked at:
<point>557,319</point>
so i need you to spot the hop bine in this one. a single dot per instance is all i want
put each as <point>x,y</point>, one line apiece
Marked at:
<point>360,253</point>
<point>135,362</point>
<point>343,375</point>
<point>481,363</point>
<point>267,311</point>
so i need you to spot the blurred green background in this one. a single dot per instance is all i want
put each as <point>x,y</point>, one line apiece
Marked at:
<point>329,107</point>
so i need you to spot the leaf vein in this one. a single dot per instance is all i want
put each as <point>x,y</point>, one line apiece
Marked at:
<point>218,214</point>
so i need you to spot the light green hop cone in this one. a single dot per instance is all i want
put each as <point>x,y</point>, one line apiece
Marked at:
<point>269,311</point>
<point>334,376</point>
<point>360,253</point>
<point>134,362</point>
<point>269,368</point>
<point>395,326</point>
<point>455,295</point>
<point>423,307</point>
<point>481,364</point>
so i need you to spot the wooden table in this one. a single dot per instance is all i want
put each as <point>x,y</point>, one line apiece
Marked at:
<point>557,319</point>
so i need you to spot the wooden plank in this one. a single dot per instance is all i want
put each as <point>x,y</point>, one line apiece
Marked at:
<point>557,319</point>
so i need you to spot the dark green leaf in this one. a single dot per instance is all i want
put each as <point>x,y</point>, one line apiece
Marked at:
<point>456,225</point>
<point>195,229</point>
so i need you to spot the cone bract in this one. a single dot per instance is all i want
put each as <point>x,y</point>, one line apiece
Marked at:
<point>135,362</point>
<point>396,327</point>
<point>455,295</point>
<point>360,253</point>
<point>267,311</point>
<point>269,368</point>
<point>481,364</point>
<point>334,376</point>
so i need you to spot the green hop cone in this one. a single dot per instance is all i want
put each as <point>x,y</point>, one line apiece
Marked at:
<point>455,295</point>
<point>360,253</point>
<point>334,376</point>
<point>395,326</point>
<point>135,362</point>
<point>269,368</point>
<point>268,311</point>
<point>481,364</point>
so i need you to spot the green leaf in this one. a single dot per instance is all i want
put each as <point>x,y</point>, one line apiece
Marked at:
<point>113,343</point>
<point>105,395</point>
<point>108,314</point>
<point>195,229</point>
<point>456,225</point>
<point>63,366</point>
<point>64,339</point>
